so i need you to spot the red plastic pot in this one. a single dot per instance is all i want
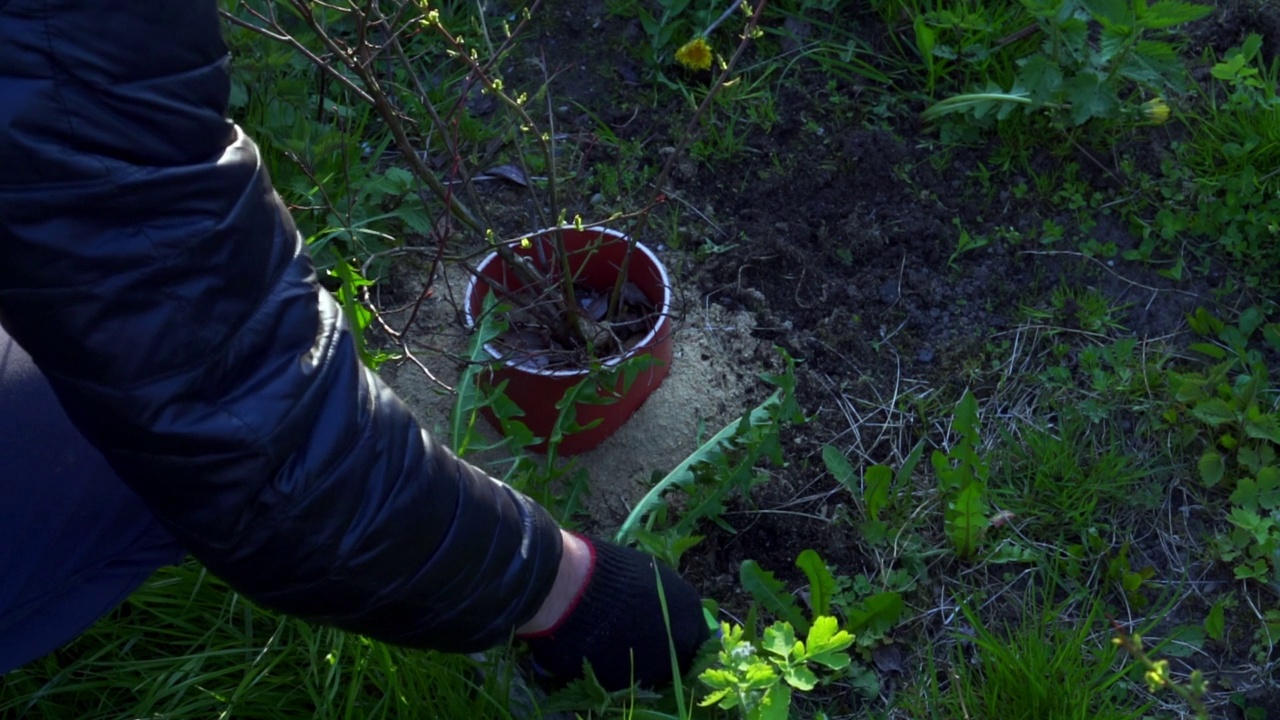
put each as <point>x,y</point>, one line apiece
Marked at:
<point>595,257</point>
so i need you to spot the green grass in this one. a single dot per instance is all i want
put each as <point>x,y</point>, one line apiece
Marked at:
<point>1048,665</point>
<point>1067,473</point>
<point>185,646</point>
<point>1071,308</point>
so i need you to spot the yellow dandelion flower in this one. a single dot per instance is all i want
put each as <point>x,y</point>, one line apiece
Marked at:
<point>1155,111</point>
<point>695,54</point>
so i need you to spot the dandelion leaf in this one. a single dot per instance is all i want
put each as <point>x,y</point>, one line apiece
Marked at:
<point>822,584</point>
<point>1168,13</point>
<point>771,594</point>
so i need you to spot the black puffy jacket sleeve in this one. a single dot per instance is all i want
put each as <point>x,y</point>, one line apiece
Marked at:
<point>156,278</point>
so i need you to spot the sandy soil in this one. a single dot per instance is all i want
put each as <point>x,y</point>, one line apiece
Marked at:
<point>711,383</point>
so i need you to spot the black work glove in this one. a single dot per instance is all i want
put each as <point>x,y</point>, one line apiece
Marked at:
<point>616,623</point>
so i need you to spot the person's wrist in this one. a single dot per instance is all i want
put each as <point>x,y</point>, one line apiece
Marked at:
<point>571,580</point>
<point>628,615</point>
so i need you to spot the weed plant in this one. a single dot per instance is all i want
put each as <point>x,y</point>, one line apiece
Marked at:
<point>1073,475</point>
<point>1050,666</point>
<point>1231,163</point>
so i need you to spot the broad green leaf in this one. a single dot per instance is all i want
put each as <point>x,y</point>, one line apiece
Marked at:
<point>800,677</point>
<point>776,703</point>
<point>876,615</point>
<point>1155,64</point>
<point>966,418</point>
<point>417,218</point>
<point>1073,34</point>
<point>1156,51</point>
<point>941,464</point>
<point>1110,12</point>
<point>1187,388</point>
<point>718,678</point>
<point>648,22</point>
<point>1249,48</point>
<point>822,585</point>
<point>1214,351</point>
<point>1271,333</point>
<point>1250,318</point>
<point>239,96</point>
<point>1249,458</point>
<point>1269,488</point>
<point>1215,411</point>
<point>879,478</point>
<point>826,637</point>
<point>779,639</point>
<point>832,659</point>
<point>926,39</point>
<point>1232,336</point>
<point>1184,641</point>
<point>1257,570</point>
<point>1091,96</point>
<point>760,675</point>
<point>714,697</point>
<point>1215,622</point>
<point>1211,468</point>
<point>399,179</point>
<point>772,594</point>
<point>1132,581</point>
<point>1202,322</point>
<point>840,468</point>
<point>1113,41</point>
<point>1042,77</point>
<point>1229,70</point>
<point>1251,522</point>
<point>1264,427</point>
<point>864,682</point>
<point>1168,13</point>
<point>1246,495</point>
<point>968,520</point>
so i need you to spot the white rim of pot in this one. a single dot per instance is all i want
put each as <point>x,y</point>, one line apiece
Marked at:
<point>611,362</point>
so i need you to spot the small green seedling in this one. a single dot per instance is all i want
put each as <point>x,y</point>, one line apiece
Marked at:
<point>758,679</point>
<point>962,481</point>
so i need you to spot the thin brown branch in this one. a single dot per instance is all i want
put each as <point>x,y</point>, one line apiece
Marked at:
<point>377,97</point>
<point>278,34</point>
<point>690,131</point>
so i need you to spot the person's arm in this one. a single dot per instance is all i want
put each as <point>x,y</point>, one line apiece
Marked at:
<point>158,281</point>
